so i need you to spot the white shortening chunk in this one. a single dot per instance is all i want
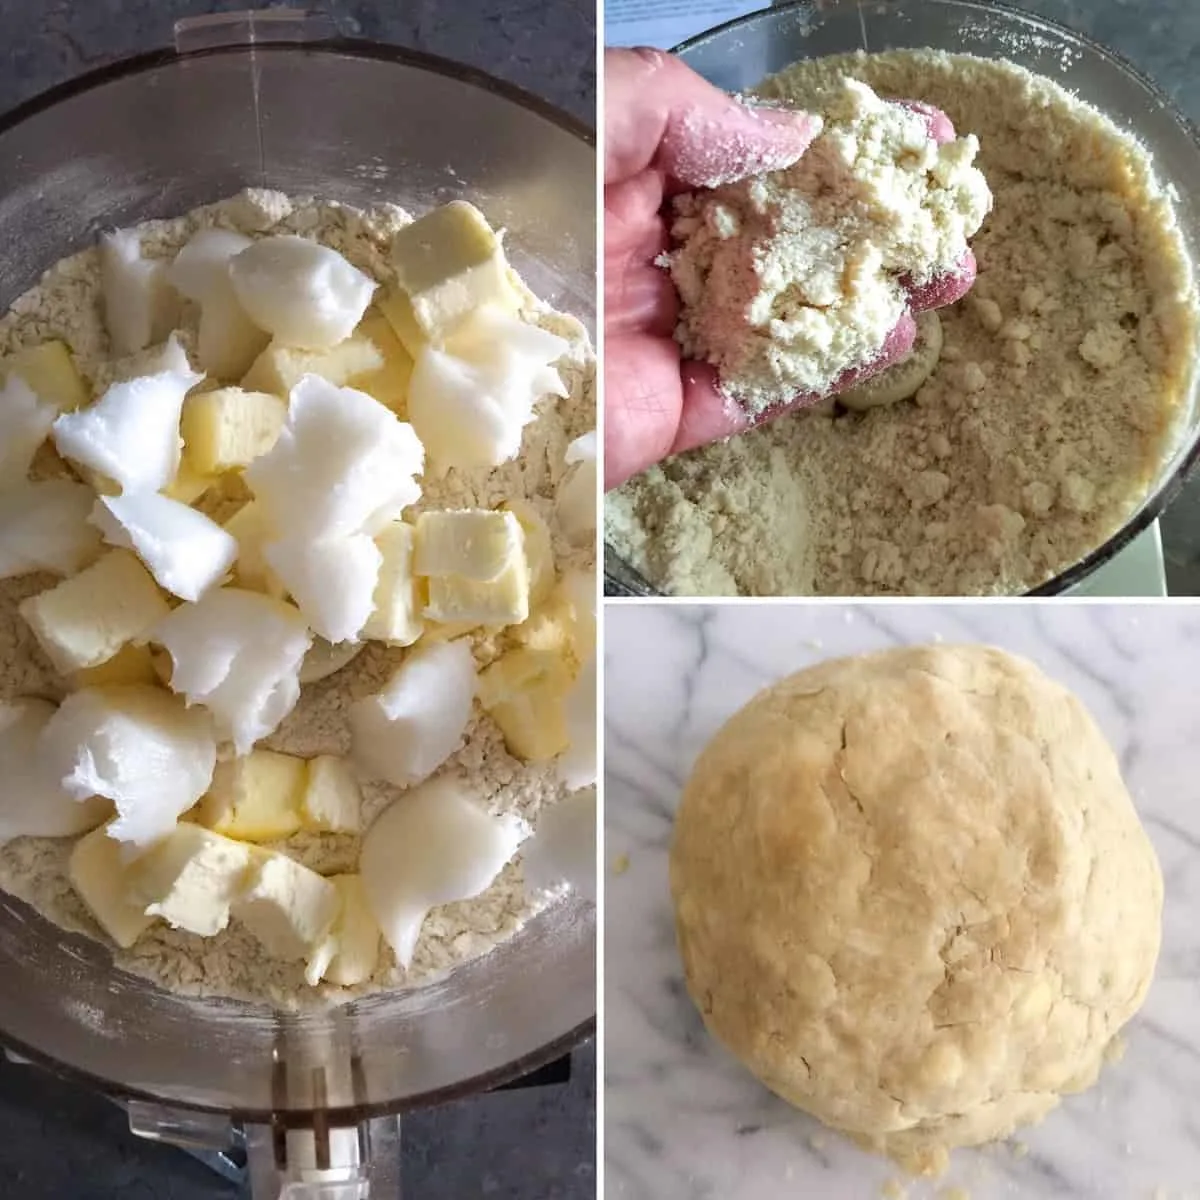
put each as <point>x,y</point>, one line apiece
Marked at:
<point>332,799</point>
<point>25,421</point>
<point>563,847</point>
<point>449,262</point>
<point>131,434</point>
<point>301,292</point>
<point>324,659</point>
<point>256,798</point>
<point>577,494</point>
<point>238,653</point>
<point>190,878</point>
<point>342,464</point>
<point>86,619</point>
<point>405,732</point>
<point>140,307</point>
<point>228,340</point>
<point>139,747</point>
<point>577,766</point>
<point>433,845</point>
<point>473,543</point>
<point>185,551</point>
<point>332,580</point>
<point>44,527</point>
<point>229,428</point>
<point>349,952</point>
<point>289,908</point>
<point>395,615</point>
<point>99,874</point>
<point>33,803</point>
<point>470,401</point>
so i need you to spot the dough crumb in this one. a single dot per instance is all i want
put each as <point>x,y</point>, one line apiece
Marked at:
<point>620,864</point>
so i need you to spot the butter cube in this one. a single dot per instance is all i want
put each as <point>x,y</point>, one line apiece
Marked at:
<point>189,485</point>
<point>251,571</point>
<point>468,602</point>
<point>447,631</point>
<point>534,722</point>
<point>449,262</point>
<point>332,799</point>
<point>256,798</point>
<point>471,543</point>
<point>350,951</point>
<point>98,874</point>
<point>279,368</point>
<point>50,370</point>
<point>395,618</point>
<point>397,310</point>
<point>131,664</point>
<point>86,619</point>
<point>190,878</point>
<point>289,908</point>
<point>539,552</point>
<point>518,671</point>
<point>387,383</point>
<point>229,428</point>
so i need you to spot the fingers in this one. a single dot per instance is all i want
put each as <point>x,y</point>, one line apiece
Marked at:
<point>659,113</point>
<point>638,296</point>
<point>944,289</point>
<point>941,128</point>
<point>643,396</point>
<point>706,416</point>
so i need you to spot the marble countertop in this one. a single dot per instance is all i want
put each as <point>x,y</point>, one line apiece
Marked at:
<point>682,1118</point>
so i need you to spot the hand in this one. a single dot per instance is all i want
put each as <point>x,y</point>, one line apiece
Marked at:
<point>666,129</point>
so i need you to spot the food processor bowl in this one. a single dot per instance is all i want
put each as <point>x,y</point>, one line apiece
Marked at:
<point>266,100</point>
<point>738,55</point>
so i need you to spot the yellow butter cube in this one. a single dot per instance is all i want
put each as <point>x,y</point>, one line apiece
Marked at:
<point>471,543</point>
<point>447,631</point>
<point>332,799</point>
<point>534,722</point>
<point>518,671</point>
<point>189,485</point>
<point>279,368</point>
<point>86,619</point>
<point>388,383</point>
<point>350,951</point>
<point>395,618</point>
<point>255,799</point>
<point>50,370</point>
<point>230,427</point>
<point>98,873</point>
<point>289,908</point>
<point>539,552</point>
<point>449,262</point>
<point>190,878</point>
<point>131,664</point>
<point>251,571</point>
<point>397,310</point>
<point>502,601</point>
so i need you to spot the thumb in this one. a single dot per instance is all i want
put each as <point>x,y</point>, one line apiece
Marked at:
<point>659,113</point>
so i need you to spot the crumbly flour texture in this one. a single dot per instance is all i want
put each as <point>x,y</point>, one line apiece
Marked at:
<point>1060,390</point>
<point>790,278</point>
<point>65,304</point>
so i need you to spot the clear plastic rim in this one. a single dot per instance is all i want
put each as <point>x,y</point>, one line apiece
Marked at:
<point>1153,507</point>
<point>472,77</point>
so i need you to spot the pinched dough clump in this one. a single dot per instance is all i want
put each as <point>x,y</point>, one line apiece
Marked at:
<point>913,896</point>
<point>790,278</point>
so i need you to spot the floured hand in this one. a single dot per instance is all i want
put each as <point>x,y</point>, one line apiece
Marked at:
<point>667,129</point>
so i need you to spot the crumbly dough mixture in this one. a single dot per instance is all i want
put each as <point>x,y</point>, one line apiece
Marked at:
<point>788,279</point>
<point>65,304</point>
<point>913,895</point>
<point>1061,388</point>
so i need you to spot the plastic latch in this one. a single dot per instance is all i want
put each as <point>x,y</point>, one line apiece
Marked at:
<point>254,25</point>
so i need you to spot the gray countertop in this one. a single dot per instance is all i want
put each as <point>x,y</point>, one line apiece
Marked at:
<point>537,1144</point>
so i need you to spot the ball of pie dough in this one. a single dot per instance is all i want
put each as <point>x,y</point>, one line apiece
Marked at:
<point>913,896</point>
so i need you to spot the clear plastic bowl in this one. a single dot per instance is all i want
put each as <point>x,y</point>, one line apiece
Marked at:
<point>737,56</point>
<point>154,137</point>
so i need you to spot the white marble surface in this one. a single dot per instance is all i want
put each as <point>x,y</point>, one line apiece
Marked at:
<point>682,1119</point>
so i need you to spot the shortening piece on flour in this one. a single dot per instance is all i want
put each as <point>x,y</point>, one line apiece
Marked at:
<point>791,278</point>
